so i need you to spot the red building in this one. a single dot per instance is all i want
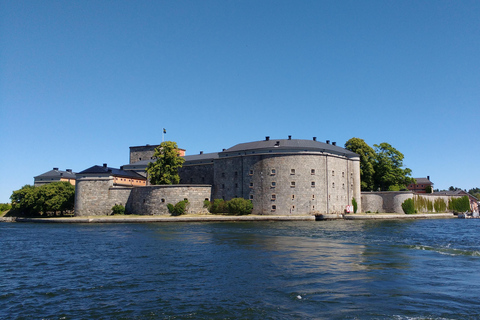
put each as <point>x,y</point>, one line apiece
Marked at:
<point>421,185</point>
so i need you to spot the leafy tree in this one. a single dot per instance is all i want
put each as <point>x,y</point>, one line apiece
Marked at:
<point>367,161</point>
<point>164,170</point>
<point>52,197</point>
<point>475,192</point>
<point>239,206</point>
<point>388,168</point>
<point>5,207</point>
<point>408,206</point>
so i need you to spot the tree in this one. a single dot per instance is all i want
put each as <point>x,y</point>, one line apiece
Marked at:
<point>367,161</point>
<point>164,170</point>
<point>52,197</point>
<point>389,174</point>
<point>475,192</point>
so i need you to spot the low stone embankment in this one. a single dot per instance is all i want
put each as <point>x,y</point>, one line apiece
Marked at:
<point>213,218</point>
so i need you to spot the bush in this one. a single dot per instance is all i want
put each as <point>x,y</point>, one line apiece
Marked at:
<point>5,207</point>
<point>440,205</point>
<point>239,206</point>
<point>355,205</point>
<point>118,209</point>
<point>218,206</point>
<point>179,208</point>
<point>459,204</point>
<point>408,206</point>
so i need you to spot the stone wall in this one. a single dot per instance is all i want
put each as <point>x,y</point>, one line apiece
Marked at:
<point>196,174</point>
<point>141,153</point>
<point>153,200</point>
<point>391,201</point>
<point>97,196</point>
<point>289,184</point>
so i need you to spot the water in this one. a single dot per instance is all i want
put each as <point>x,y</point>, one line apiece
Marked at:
<point>425,269</point>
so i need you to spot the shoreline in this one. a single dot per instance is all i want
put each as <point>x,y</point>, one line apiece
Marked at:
<point>220,218</point>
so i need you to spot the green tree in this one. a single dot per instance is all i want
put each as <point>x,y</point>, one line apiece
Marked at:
<point>475,192</point>
<point>53,197</point>
<point>164,170</point>
<point>367,161</point>
<point>389,174</point>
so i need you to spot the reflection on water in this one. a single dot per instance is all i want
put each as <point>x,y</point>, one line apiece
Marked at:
<point>261,270</point>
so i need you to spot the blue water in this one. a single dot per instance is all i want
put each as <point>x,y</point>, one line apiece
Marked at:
<point>424,269</point>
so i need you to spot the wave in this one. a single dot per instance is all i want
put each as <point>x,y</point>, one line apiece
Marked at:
<point>446,250</point>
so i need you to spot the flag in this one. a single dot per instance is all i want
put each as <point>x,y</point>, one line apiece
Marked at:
<point>164,131</point>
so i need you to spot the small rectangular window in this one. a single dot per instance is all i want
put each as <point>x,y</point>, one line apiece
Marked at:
<point>274,196</point>
<point>293,197</point>
<point>251,184</point>
<point>312,171</point>
<point>343,174</point>
<point>313,184</point>
<point>273,172</point>
<point>333,173</point>
<point>292,171</point>
<point>250,172</point>
<point>273,184</point>
<point>274,207</point>
<point>251,197</point>
<point>292,184</point>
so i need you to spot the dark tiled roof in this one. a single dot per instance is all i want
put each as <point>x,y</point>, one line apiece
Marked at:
<point>289,144</point>
<point>191,159</point>
<point>113,171</point>
<point>56,174</point>
<point>423,181</point>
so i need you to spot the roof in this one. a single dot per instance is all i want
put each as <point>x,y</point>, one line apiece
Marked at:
<point>191,159</point>
<point>457,192</point>
<point>55,173</point>
<point>113,171</point>
<point>423,181</point>
<point>283,145</point>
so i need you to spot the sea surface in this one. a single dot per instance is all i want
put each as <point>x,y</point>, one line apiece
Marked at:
<point>415,269</point>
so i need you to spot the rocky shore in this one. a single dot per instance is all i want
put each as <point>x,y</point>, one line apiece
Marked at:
<point>219,218</point>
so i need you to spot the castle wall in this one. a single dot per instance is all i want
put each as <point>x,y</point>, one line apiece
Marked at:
<point>153,200</point>
<point>289,184</point>
<point>391,201</point>
<point>196,174</point>
<point>141,153</point>
<point>97,195</point>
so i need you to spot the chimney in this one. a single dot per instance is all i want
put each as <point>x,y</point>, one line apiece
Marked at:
<point>428,178</point>
<point>201,152</point>
<point>314,138</point>
<point>289,137</point>
<point>328,141</point>
<point>105,165</point>
<point>69,170</point>
<point>223,149</point>
<point>334,143</point>
<point>56,169</point>
<point>267,138</point>
<point>121,167</point>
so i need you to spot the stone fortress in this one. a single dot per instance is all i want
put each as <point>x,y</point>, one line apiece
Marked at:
<point>280,177</point>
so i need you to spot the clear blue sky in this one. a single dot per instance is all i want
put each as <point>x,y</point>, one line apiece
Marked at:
<point>82,81</point>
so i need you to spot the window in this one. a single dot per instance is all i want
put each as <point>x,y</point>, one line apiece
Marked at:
<point>274,197</point>
<point>251,184</point>
<point>273,184</point>
<point>163,200</point>
<point>313,197</point>
<point>343,174</point>
<point>293,197</point>
<point>251,197</point>
<point>250,172</point>
<point>343,185</point>
<point>185,199</point>
<point>206,199</point>
<point>292,184</point>
<point>312,171</point>
<point>223,174</point>
<point>313,184</point>
<point>333,184</point>
<point>292,171</point>
<point>273,172</point>
<point>236,173</point>
<point>333,173</point>
<point>274,207</point>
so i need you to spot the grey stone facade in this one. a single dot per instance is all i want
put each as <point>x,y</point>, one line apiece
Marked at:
<point>97,195</point>
<point>391,201</point>
<point>142,153</point>
<point>153,200</point>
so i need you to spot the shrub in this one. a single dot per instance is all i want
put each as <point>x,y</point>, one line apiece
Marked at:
<point>179,208</point>
<point>5,207</point>
<point>459,204</point>
<point>207,204</point>
<point>239,206</point>
<point>355,205</point>
<point>218,206</point>
<point>408,206</point>
<point>118,209</point>
<point>440,205</point>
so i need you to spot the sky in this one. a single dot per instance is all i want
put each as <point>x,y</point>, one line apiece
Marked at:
<point>82,81</point>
